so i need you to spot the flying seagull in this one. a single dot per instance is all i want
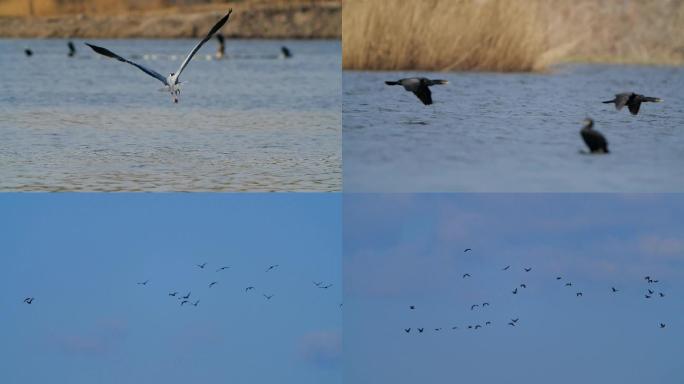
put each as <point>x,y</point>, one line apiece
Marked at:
<point>466,275</point>
<point>28,300</point>
<point>527,269</point>
<point>512,324</point>
<point>523,285</point>
<point>213,283</point>
<point>578,294</point>
<point>568,284</point>
<point>420,330</point>
<point>485,304</point>
<point>592,138</point>
<point>221,269</point>
<point>412,307</point>
<point>478,326</point>
<point>474,306</point>
<point>249,288</point>
<point>467,249</point>
<point>515,320</point>
<point>506,268</point>
<point>171,83</point>
<point>271,267</point>
<point>407,330</point>
<point>72,49</point>
<point>325,286</point>
<point>419,86</point>
<point>515,291</point>
<point>662,325</point>
<point>558,278</point>
<point>144,282</point>
<point>268,297</point>
<point>632,101</point>
<point>195,303</point>
<point>173,294</point>
<point>184,302</point>
<point>661,294</point>
<point>613,289</point>
<point>201,266</point>
<point>186,296</point>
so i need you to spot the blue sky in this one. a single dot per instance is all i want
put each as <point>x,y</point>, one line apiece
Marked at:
<point>402,250</point>
<point>81,255</point>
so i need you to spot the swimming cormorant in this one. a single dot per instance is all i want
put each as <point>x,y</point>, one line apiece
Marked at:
<point>593,139</point>
<point>72,49</point>
<point>286,52</point>
<point>419,86</point>
<point>632,101</point>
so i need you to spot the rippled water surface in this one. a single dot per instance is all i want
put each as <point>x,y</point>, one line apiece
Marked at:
<point>514,132</point>
<point>252,122</point>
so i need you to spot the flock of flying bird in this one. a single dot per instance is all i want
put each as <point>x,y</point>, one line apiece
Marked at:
<point>649,293</point>
<point>595,141</point>
<point>172,81</point>
<point>185,299</point>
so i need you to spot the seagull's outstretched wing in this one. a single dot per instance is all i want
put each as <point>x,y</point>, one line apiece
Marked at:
<point>108,53</point>
<point>199,45</point>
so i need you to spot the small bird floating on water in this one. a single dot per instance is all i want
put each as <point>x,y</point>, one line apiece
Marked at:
<point>593,138</point>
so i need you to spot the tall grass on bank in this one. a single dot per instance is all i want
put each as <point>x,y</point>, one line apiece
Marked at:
<point>509,35</point>
<point>442,35</point>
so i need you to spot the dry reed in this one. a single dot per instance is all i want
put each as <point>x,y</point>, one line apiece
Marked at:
<point>508,35</point>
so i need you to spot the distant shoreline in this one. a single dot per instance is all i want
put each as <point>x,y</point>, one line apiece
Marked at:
<point>278,21</point>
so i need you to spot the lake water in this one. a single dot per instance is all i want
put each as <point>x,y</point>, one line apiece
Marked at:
<point>252,122</point>
<point>514,132</point>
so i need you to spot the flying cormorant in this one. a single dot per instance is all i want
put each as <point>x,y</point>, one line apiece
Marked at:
<point>419,86</point>
<point>632,101</point>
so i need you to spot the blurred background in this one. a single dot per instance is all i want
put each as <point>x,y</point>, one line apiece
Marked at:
<point>168,18</point>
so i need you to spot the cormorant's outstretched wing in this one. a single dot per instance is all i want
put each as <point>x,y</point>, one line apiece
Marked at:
<point>424,94</point>
<point>199,45</point>
<point>621,100</point>
<point>634,107</point>
<point>108,53</point>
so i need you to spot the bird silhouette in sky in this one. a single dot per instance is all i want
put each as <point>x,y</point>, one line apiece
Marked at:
<point>222,268</point>
<point>271,267</point>
<point>473,306</point>
<point>527,269</point>
<point>173,294</point>
<point>466,275</point>
<point>201,266</point>
<point>613,289</point>
<point>515,291</point>
<point>420,330</point>
<point>186,296</point>
<point>318,283</point>
<point>184,302</point>
<point>568,284</point>
<point>506,268</point>
<point>195,303</point>
<point>466,250</point>
<point>578,294</point>
<point>249,288</point>
<point>29,300</point>
<point>144,282</point>
<point>268,297</point>
<point>412,307</point>
<point>407,330</point>
<point>662,325</point>
<point>213,283</point>
<point>523,285</point>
